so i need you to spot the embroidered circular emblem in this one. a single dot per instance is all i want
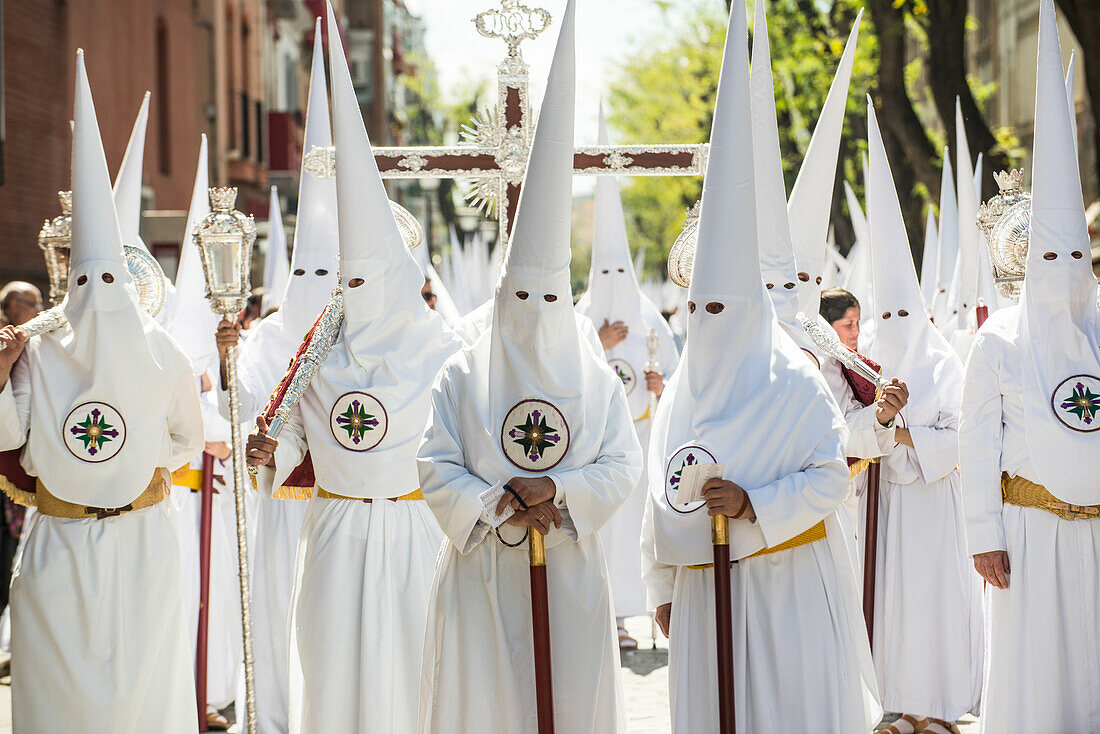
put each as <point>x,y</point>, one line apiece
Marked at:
<point>535,435</point>
<point>94,432</point>
<point>625,373</point>
<point>683,457</point>
<point>358,421</point>
<point>1076,403</point>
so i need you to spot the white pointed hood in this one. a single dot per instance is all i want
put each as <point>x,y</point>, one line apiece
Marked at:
<point>1059,323</point>
<point>315,260</point>
<point>930,260</point>
<point>192,322</point>
<point>964,298</point>
<point>372,391</point>
<point>535,346</point>
<point>106,382</point>
<point>811,201</point>
<point>1071,98</point>
<point>948,246</point>
<point>127,189</point>
<point>739,367</point>
<point>777,260</point>
<point>614,293</point>
<point>907,344</point>
<point>276,263</point>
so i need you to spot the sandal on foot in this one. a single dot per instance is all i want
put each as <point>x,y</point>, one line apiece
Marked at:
<point>215,721</point>
<point>906,725</point>
<point>940,726</point>
<point>626,642</point>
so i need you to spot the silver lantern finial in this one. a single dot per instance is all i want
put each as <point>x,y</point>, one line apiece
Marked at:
<point>225,239</point>
<point>55,239</point>
<point>1005,222</point>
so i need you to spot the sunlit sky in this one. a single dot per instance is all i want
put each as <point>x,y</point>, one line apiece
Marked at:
<point>462,56</point>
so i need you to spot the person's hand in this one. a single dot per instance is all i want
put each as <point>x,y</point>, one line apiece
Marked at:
<point>531,490</point>
<point>654,383</point>
<point>726,498</point>
<point>227,335</point>
<point>13,339</point>
<point>219,449</point>
<point>894,397</point>
<point>612,334</point>
<point>663,616</point>
<point>993,567</point>
<point>260,449</point>
<point>540,517</point>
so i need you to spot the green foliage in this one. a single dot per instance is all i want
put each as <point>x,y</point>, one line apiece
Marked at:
<point>663,92</point>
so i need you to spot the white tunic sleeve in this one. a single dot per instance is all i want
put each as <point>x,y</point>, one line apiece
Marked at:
<point>288,454</point>
<point>868,439</point>
<point>795,503</point>
<point>185,426</point>
<point>449,488</point>
<point>592,493</point>
<point>980,436</point>
<point>659,578</point>
<point>15,409</point>
<point>935,450</point>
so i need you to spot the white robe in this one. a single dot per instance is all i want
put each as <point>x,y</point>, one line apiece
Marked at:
<point>928,618</point>
<point>224,649</point>
<point>262,361</point>
<point>478,671</point>
<point>622,535</point>
<point>99,640</point>
<point>363,576</point>
<point>801,666</point>
<point>1042,672</point>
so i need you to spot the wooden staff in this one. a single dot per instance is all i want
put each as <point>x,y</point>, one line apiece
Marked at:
<point>870,550</point>
<point>205,519</point>
<point>981,313</point>
<point>723,620</point>
<point>540,618</point>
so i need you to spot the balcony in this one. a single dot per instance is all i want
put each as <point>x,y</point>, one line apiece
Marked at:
<point>284,138</point>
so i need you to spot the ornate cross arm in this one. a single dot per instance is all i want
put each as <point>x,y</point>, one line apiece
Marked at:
<point>436,162</point>
<point>641,160</point>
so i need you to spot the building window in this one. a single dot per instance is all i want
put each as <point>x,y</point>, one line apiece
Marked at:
<point>163,98</point>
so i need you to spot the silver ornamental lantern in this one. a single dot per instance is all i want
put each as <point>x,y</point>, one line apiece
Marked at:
<point>224,240</point>
<point>55,239</point>
<point>1005,221</point>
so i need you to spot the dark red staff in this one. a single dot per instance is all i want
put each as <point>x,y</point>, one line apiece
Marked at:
<point>870,550</point>
<point>205,517</point>
<point>540,618</point>
<point>723,620</point>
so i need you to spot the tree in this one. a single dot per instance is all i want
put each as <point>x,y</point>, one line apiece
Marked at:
<point>664,92</point>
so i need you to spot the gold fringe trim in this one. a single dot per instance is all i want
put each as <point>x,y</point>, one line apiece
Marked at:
<point>291,493</point>
<point>858,468</point>
<point>16,495</point>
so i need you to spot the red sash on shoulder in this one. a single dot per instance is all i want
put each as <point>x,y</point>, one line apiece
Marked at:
<point>863,389</point>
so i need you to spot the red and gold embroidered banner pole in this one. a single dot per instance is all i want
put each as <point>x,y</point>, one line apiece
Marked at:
<point>870,550</point>
<point>540,619</point>
<point>723,620</point>
<point>205,519</point>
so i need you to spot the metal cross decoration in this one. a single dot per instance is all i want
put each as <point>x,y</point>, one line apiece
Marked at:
<point>497,143</point>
